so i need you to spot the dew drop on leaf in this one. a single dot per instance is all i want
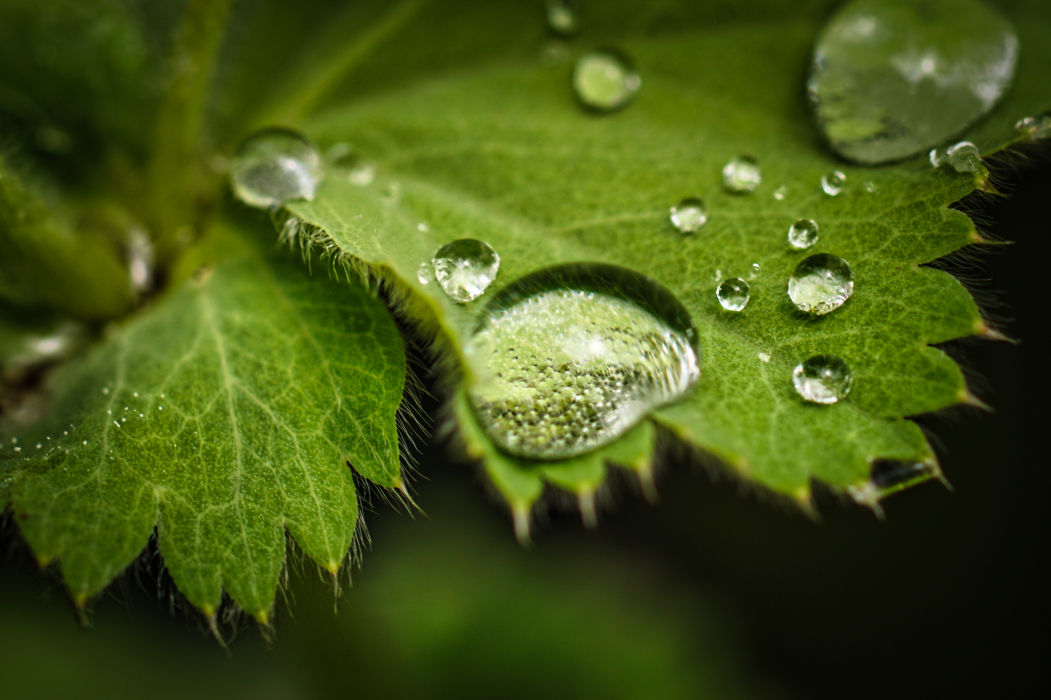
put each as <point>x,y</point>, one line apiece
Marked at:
<point>275,166</point>
<point>605,81</point>
<point>1035,127</point>
<point>821,284</point>
<point>425,273</point>
<point>803,234</point>
<point>568,359</point>
<point>891,78</point>
<point>465,268</point>
<point>742,174</point>
<point>780,192</point>
<point>689,215</point>
<point>832,183</point>
<point>756,269</point>
<point>822,379</point>
<point>869,186</point>
<point>733,294</point>
<point>563,16</point>
<point>964,157</point>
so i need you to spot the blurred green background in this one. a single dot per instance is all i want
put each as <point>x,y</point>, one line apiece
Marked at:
<point>710,594</point>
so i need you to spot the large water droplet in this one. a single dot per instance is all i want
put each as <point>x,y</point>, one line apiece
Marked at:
<point>742,174</point>
<point>465,268</point>
<point>823,379</point>
<point>733,294</point>
<point>803,234</point>
<point>605,80</point>
<point>821,283</point>
<point>965,157</point>
<point>832,183</point>
<point>275,166</point>
<point>568,359</point>
<point>563,16</point>
<point>689,215</point>
<point>892,78</point>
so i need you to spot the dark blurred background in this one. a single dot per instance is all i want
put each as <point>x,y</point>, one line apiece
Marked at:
<point>710,593</point>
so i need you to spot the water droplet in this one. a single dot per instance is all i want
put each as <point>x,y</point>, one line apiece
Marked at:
<point>563,16</point>
<point>717,275</point>
<point>345,161</point>
<point>870,186</point>
<point>938,157</point>
<point>821,284</point>
<point>823,379</point>
<point>733,294</point>
<point>554,53</point>
<point>568,359</point>
<point>105,390</point>
<point>742,174</point>
<point>465,268</point>
<point>780,192</point>
<point>140,260</point>
<point>803,234</point>
<point>422,227</point>
<point>1035,127</point>
<point>425,273</point>
<point>756,269</point>
<point>605,80</point>
<point>965,157</point>
<point>891,79</point>
<point>689,215</point>
<point>764,356</point>
<point>275,166</point>
<point>832,183</point>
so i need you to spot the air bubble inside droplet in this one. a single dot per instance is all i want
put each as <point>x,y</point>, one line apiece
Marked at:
<point>275,166</point>
<point>465,268</point>
<point>605,80</point>
<point>821,284</point>
<point>742,174</point>
<point>823,379</point>
<point>733,294</point>
<point>689,215</point>
<point>569,359</point>
<point>832,183</point>
<point>803,234</point>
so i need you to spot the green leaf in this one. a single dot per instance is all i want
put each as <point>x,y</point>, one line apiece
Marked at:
<point>503,153</point>
<point>232,410</point>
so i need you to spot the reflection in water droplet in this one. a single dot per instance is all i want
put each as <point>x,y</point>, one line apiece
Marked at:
<point>689,215</point>
<point>425,273</point>
<point>892,79</point>
<point>780,192</point>
<point>756,269</point>
<point>559,371</point>
<point>733,294</point>
<point>821,284</point>
<point>605,80</point>
<point>803,234</point>
<point>465,268</point>
<point>1035,127</point>
<point>275,166</point>
<point>742,174</point>
<point>965,157</point>
<point>563,16</point>
<point>832,183</point>
<point>823,379</point>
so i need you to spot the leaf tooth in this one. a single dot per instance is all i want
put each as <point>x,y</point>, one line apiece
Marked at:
<point>967,398</point>
<point>522,517</point>
<point>588,510</point>
<point>644,473</point>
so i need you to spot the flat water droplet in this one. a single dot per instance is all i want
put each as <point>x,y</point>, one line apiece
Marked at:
<point>965,157</point>
<point>832,183</point>
<point>803,234</point>
<point>892,78</point>
<point>605,80</point>
<point>823,379</point>
<point>780,192</point>
<point>689,215</point>
<point>821,284</point>
<point>425,273</point>
<point>742,174</point>
<point>733,294</point>
<point>275,166</point>
<point>569,359</point>
<point>1035,127</point>
<point>465,268</point>
<point>563,16</point>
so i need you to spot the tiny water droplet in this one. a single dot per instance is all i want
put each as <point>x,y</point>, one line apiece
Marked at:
<point>275,166</point>
<point>821,284</point>
<point>140,260</point>
<point>563,16</point>
<point>605,81</point>
<point>742,174</point>
<point>1035,127</point>
<point>465,268</point>
<point>823,379</point>
<point>345,161</point>
<point>764,356</point>
<point>938,157</point>
<point>562,365</point>
<point>425,272</point>
<point>832,183</point>
<point>870,186</point>
<point>422,227</point>
<point>803,234</point>
<point>780,192</point>
<point>756,269</point>
<point>733,294</point>
<point>105,390</point>
<point>717,275</point>
<point>965,157</point>
<point>689,215</point>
